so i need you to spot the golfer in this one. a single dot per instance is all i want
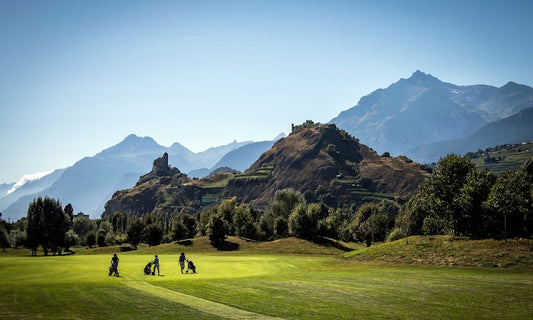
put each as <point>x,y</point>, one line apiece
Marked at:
<point>182,261</point>
<point>156,264</point>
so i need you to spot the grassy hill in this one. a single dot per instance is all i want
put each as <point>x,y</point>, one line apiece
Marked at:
<point>449,251</point>
<point>505,157</point>
<point>415,250</point>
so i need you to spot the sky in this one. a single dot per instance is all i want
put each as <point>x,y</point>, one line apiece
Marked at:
<point>77,77</point>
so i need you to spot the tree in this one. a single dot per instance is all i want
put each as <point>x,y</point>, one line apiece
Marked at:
<point>281,227</point>
<point>17,238</point>
<point>284,202</point>
<point>447,201</point>
<point>511,200</point>
<point>371,223</point>
<point>71,239</point>
<point>82,226</point>
<point>91,240</point>
<point>119,221</point>
<point>152,234</point>
<point>205,218</point>
<point>243,222</point>
<point>47,225</point>
<point>135,231</point>
<point>69,211</point>
<point>57,224</point>
<point>190,223</point>
<point>266,226</point>
<point>35,229</point>
<point>226,209</point>
<point>179,230</point>
<point>334,222</point>
<point>100,237</point>
<point>4,240</point>
<point>303,220</point>
<point>217,229</point>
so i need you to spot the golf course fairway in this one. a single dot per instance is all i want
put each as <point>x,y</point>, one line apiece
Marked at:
<point>256,286</point>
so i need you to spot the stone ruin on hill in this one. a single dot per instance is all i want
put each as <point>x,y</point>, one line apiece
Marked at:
<point>161,166</point>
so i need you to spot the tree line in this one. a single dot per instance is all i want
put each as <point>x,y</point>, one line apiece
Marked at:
<point>457,199</point>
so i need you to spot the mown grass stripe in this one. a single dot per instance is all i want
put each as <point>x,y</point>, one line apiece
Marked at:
<point>203,305</point>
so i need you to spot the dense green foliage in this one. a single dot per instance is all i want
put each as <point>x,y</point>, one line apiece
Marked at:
<point>458,199</point>
<point>47,225</point>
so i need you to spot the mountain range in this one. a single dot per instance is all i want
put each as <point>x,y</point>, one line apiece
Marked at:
<point>422,110</point>
<point>421,117</point>
<point>90,182</point>
<point>513,129</point>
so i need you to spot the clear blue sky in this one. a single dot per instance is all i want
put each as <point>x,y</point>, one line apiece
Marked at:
<point>78,76</point>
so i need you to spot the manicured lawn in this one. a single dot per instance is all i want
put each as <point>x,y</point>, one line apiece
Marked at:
<point>238,285</point>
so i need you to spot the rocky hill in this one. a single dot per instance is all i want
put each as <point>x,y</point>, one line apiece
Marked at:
<point>326,160</point>
<point>152,192</point>
<point>320,159</point>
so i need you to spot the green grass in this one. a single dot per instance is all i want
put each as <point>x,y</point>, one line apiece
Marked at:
<point>255,283</point>
<point>450,251</point>
<point>512,158</point>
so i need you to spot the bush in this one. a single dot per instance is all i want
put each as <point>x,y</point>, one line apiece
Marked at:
<point>17,238</point>
<point>71,239</point>
<point>110,239</point>
<point>120,238</point>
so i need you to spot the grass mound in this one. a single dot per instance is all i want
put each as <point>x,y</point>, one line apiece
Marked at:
<point>449,251</point>
<point>234,245</point>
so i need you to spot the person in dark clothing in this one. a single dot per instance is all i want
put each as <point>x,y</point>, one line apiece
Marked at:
<point>114,265</point>
<point>182,261</point>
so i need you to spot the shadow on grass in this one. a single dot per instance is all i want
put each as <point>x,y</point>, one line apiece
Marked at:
<point>226,246</point>
<point>331,243</point>
<point>186,243</point>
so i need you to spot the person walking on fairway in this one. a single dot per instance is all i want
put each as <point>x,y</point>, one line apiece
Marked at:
<point>156,265</point>
<point>114,265</point>
<point>182,261</point>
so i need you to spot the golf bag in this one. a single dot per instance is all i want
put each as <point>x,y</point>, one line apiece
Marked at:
<point>190,266</point>
<point>113,269</point>
<point>148,268</point>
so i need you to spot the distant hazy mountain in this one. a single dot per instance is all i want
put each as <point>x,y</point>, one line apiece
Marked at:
<point>90,182</point>
<point>422,109</point>
<point>186,160</point>
<point>239,158</point>
<point>29,187</point>
<point>243,157</point>
<point>514,129</point>
<point>4,188</point>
